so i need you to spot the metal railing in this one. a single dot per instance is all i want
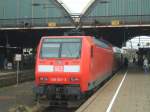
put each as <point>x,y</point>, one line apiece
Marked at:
<point>67,21</point>
<point>36,22</point>
<point>123,20</point>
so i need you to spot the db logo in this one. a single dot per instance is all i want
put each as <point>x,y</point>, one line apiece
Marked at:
<point>58,69</point>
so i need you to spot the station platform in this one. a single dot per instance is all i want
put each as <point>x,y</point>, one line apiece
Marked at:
<point>9,77</point>
<point>10,72</point>
<point>127,91</point>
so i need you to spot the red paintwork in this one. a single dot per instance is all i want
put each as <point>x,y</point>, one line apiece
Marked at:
<point>91,68</point>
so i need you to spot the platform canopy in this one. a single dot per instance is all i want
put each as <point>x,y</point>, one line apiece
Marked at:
<point>33,13</point>
<point>117,13</point>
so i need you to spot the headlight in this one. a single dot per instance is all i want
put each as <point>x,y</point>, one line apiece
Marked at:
<point>43,78</point>
<point>74,79</point>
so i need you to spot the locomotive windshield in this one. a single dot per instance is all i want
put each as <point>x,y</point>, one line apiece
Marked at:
<point>61,48</point>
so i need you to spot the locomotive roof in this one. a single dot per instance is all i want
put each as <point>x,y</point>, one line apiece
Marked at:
<point>65,36</point>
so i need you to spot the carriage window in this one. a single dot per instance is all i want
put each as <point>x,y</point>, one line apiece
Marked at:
<point>101,43</point>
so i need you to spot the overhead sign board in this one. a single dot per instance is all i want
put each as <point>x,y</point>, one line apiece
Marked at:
<point>18,57</point>
<point>115,22</point>
<point>51,24</point>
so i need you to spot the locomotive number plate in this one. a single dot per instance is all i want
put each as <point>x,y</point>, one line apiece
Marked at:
<point>58,79</point>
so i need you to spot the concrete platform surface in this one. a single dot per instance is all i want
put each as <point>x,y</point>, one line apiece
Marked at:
<point>133,95</point>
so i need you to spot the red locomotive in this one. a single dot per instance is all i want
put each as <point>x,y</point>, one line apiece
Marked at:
<point>72,65</point>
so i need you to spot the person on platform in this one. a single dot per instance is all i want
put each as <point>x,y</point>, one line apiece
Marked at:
<point>145,65</point>
<point>134,60</point>
<point>125,62</point>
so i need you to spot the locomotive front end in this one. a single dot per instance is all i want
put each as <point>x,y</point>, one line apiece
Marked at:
<point>58,66</point>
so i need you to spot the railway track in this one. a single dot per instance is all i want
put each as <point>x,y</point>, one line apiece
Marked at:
<point>65,109</point>
<point>60,109</point>
<point>59,106</point>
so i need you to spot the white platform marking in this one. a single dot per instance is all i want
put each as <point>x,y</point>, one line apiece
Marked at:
<point>114,97</point>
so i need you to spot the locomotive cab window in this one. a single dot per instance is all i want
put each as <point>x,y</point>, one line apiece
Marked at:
<point>61,48</point>
<point>70,50</point>
<point>50,50</point>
